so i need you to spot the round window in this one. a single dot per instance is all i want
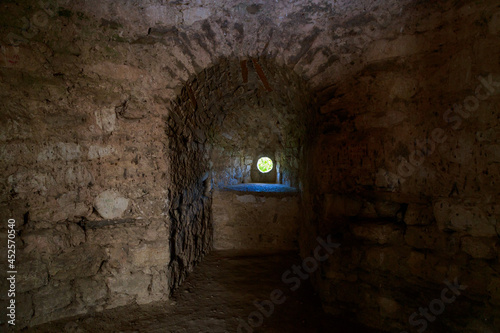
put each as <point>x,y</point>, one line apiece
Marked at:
<point>265,164</point>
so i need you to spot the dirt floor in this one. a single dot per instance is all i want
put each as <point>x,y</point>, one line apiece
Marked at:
<point>220,292</point>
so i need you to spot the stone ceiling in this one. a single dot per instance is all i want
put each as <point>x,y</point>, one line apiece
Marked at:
<point>322,41</point>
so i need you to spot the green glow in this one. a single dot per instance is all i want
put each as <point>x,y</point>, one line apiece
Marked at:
<point>265,164</point>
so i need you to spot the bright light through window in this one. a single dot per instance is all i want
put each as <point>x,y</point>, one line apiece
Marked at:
<point>264,164</point>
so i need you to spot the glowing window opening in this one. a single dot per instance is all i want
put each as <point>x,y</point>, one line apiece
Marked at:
<point>264,164</point>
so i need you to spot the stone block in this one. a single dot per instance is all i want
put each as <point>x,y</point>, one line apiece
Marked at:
<point>96,151</point>
<point>60,151</point>
<point>156,230</point>
<point>110,204</point>
<point>403,88</point>
<point>388,306</point>
<point>388,180</point>
<point>473,220</point>
<point>428,266</point>
<point>368,210</point>
<point>43,241</point>
<point>106,119</point>
<point>77,262</point>
<point>118,257</point>
<point>76,234</point>
<point>25,183</point>
<point>384,258</point>
<point>78,175</point>
<point>70,206</point>
<point>480,247</point>
<point>416,262</point>
<point>91,292</point>
<point>430,237</point>
<point>134,284</point>
<point>150,254</point>
<point>418,215</point>
<point>159,285</point>
<point>33,275</point>
<point>52,297</point>
<point>381,233</point>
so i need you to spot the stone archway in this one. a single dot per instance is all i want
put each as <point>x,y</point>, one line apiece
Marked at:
<point>221,119</point>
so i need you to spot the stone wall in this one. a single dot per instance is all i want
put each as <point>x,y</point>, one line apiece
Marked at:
<point>106,161</point>
<point>135,108</point>
<point>84,172</point>
<point>86,193</point>
<point>404,175</point>
<point>255,221</point>
<point>91,227</point>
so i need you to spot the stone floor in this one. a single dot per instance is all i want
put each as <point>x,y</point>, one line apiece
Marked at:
<point>221,290</point>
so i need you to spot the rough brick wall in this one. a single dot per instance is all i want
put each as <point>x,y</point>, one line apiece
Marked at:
<point>404,174</point>
<point>104,160</point>
<point>256,221</point>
